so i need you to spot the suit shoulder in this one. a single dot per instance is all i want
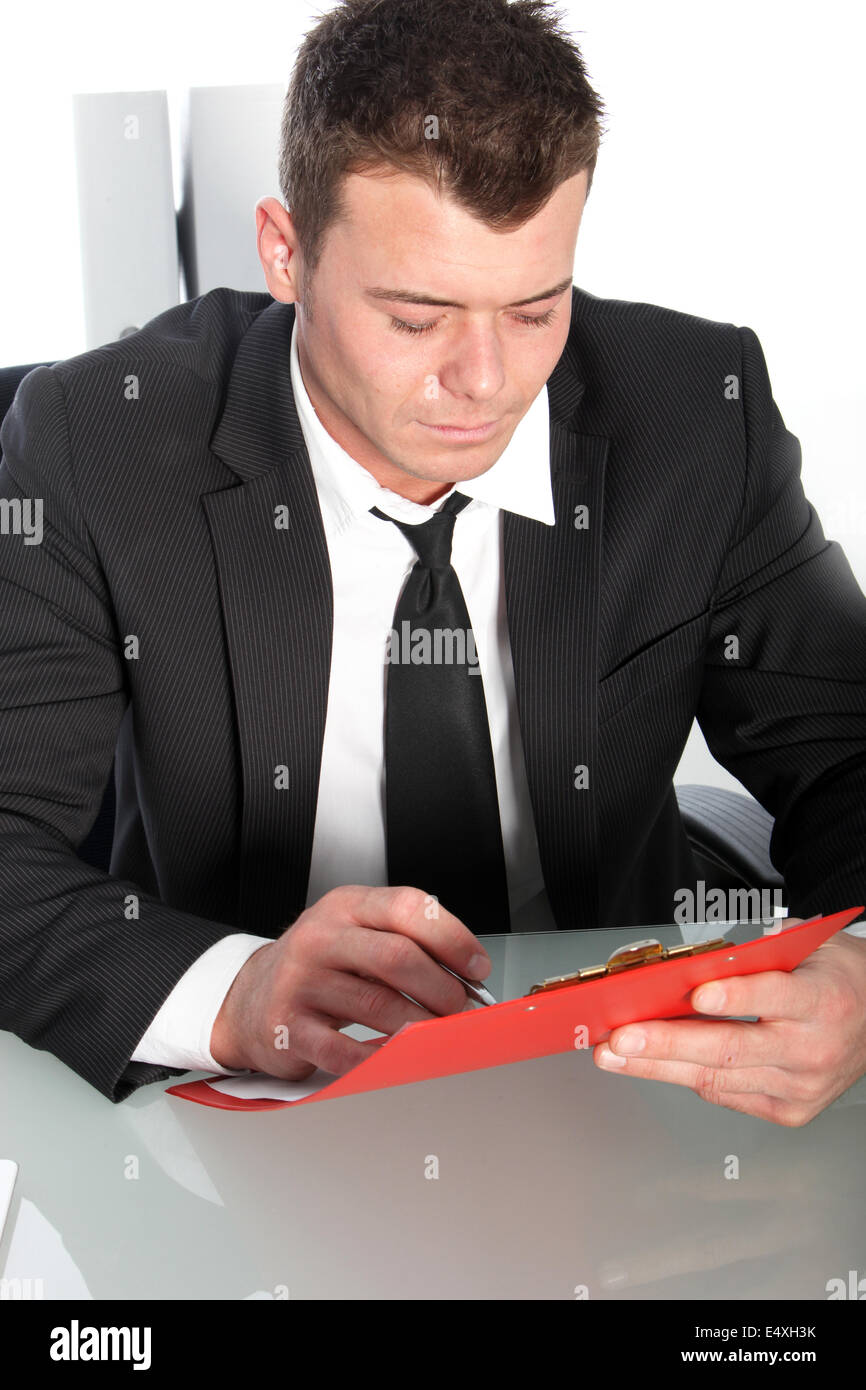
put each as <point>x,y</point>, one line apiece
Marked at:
<point>632,354</point>
<point>199,337</point>
<point>640,323</point>
<point>176,369</point>
<point>634,365</point>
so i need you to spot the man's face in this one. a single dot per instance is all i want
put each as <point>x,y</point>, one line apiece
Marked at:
<point>425,394</point>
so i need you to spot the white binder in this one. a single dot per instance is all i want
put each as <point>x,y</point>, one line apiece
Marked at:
<point>127,216</point>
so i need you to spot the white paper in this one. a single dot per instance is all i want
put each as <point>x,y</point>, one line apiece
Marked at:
<point>259,1086</point>
<point>262,1087</point>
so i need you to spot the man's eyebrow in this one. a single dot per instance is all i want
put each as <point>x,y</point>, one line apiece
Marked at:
<point>414,297</point>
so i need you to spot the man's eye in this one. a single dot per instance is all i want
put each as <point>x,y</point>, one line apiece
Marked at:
<point>402,327</point>
<point>536,320</point>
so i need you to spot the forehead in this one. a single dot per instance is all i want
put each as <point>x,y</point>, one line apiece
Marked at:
<point>397,222</point>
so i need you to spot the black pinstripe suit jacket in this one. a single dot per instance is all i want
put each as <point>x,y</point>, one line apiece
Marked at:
<point>164,612</point>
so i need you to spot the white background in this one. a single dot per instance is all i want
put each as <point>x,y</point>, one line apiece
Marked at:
<point>729,182</point>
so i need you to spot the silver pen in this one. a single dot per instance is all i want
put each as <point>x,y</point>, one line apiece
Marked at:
<point>474,988</point>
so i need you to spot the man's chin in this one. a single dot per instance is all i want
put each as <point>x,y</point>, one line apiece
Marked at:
<point>453,466</point>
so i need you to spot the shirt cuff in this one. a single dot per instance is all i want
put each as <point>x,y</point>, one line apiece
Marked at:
<point>180,1034</point>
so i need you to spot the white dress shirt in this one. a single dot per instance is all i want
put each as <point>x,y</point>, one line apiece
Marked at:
<point>370,561</point>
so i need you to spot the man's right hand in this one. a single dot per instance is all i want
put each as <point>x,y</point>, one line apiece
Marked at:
<point>350,958</point>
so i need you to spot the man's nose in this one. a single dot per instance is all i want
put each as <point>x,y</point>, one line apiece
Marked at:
<point>474,366</point>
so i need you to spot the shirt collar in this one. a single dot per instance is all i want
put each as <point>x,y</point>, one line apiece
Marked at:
<point>519,480</point>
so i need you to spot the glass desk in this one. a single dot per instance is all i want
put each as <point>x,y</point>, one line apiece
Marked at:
<point>523,959</point>
<point>548,1179</point>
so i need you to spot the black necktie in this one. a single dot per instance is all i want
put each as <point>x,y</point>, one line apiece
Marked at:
<point>443,830</point>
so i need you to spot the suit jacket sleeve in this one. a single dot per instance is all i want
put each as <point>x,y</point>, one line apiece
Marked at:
<point>80,975</point>
<point>783,701</point>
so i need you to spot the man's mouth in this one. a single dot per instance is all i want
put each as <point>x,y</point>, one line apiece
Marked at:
<point>462,432</point>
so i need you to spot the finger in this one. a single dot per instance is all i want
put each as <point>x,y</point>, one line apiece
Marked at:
<point>713,1084</point>
<point>365,1001</point>
<point>770,994</point>
<point>418,915</point>
<point>389,958</point>
<point>727,1044</point>
<point>314,1037</point>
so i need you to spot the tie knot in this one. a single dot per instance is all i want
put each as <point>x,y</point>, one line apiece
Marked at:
<point>432,539</point>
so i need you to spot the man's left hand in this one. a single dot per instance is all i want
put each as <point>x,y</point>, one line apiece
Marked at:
<point>808,1046</point>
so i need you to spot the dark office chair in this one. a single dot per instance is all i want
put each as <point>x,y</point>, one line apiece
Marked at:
<point>10,380</point>
<point>95,849</point>
<point>729,833</point>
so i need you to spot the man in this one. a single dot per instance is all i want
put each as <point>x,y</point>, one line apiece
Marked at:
<point>252,505</point>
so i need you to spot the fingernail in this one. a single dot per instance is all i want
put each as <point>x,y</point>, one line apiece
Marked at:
<point>632,1040</point>
<point>710,999</point>
<point>479,967</point>
<point>609,1060</point>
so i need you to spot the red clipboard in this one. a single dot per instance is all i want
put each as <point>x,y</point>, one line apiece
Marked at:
<point>541,1025</point>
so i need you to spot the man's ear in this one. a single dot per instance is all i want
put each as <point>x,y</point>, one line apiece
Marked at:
<point>278,249</point>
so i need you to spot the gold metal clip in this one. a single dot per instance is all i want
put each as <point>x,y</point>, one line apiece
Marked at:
<point>631,957</point>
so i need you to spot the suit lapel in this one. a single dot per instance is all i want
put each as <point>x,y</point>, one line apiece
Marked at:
<point>552,576</point>
<point>275,585</point>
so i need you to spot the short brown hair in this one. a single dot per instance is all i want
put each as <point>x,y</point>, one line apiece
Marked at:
<point>505,83</point>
